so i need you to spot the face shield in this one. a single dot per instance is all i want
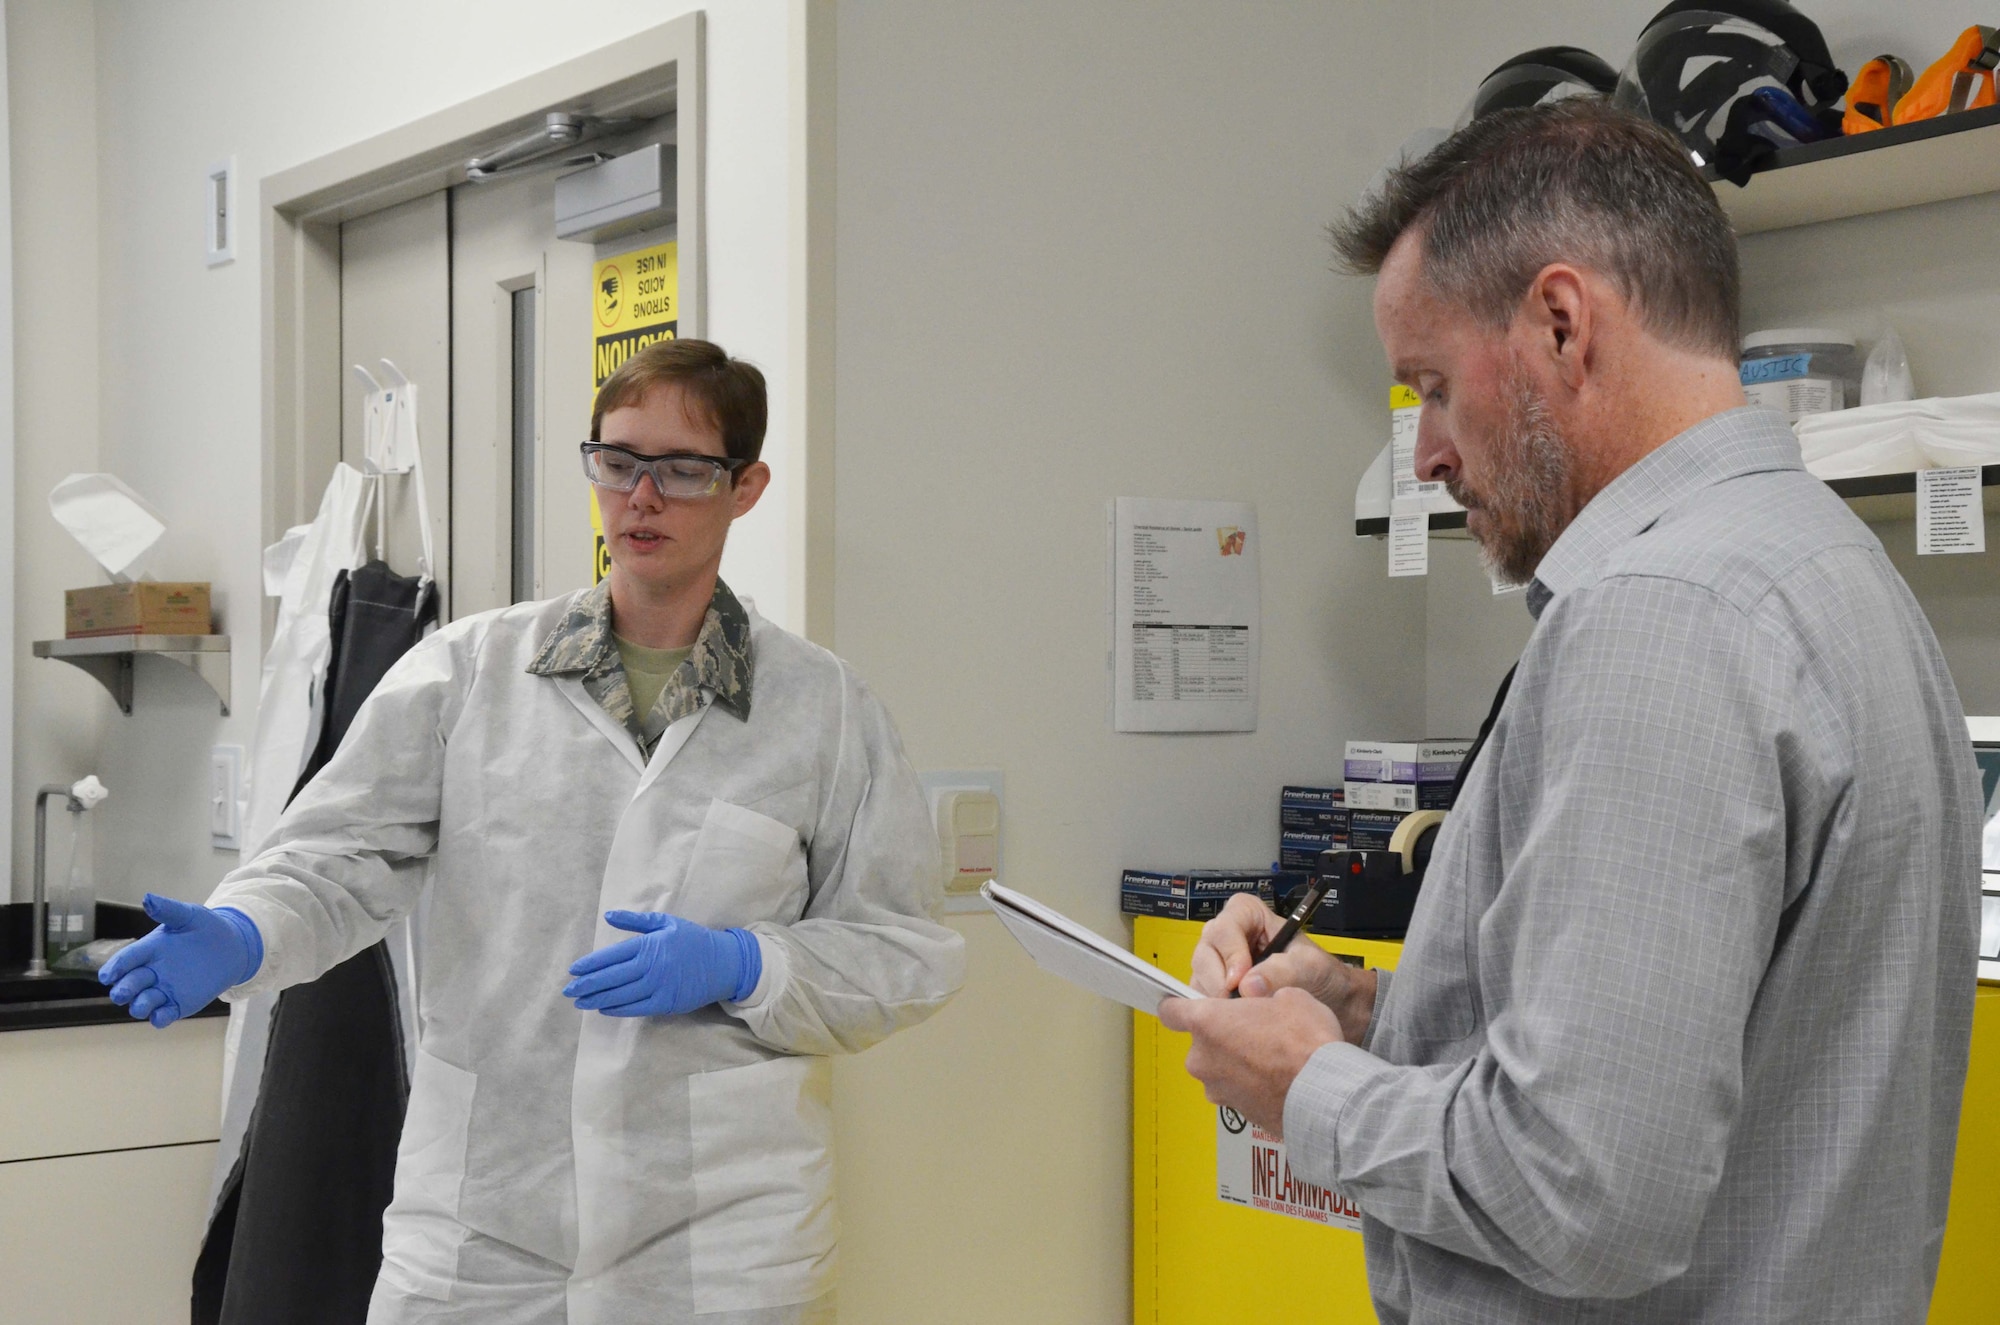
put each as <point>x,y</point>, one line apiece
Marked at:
<point>1533,83</point>
<point>1732,90</point>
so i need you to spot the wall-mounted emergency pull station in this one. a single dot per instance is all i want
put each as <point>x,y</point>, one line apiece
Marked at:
<point>968,824</point>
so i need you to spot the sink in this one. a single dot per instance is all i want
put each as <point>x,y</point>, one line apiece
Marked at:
<point>65,998</point>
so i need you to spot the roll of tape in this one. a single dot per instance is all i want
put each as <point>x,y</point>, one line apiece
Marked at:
<point>1411,831</point>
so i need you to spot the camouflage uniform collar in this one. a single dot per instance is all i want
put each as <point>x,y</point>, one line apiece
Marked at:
<point>721,658</point>
<point>582,645</point>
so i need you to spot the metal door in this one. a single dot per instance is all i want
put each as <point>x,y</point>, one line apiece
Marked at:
<point>521,394</point>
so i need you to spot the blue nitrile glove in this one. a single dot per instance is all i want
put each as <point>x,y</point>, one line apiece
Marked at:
<point>179,968</point>
<point>673,966</point>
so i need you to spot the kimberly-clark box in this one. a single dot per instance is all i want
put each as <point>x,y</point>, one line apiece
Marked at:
<point>1404,761</point>
<point>1400,796</point>
<point>1370,830</point>
<point>1190,894</point>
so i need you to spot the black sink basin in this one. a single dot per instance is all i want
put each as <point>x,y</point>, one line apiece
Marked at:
<point>64,998</point>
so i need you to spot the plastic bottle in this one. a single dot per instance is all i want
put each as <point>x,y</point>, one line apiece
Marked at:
<point>72,890</point>
<point>1885,376</point>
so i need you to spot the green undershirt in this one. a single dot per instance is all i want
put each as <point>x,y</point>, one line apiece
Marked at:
<point>647,672</point>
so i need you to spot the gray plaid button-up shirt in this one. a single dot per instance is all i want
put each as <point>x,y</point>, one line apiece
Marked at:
<point>1681,1026</point>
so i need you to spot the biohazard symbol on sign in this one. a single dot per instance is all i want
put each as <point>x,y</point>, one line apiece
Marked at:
<point>610,296</point>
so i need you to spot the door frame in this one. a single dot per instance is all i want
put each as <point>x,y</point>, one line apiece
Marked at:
<point>646,75</point>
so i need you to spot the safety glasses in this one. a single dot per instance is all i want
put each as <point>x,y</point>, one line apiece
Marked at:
<point>680,475</point>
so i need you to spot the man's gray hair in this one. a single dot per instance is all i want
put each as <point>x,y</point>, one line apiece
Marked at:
<point>1579,181</point>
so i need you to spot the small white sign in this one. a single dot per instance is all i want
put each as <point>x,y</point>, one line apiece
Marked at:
<point>1185,615</point>
<point>1409,542</point>
<point>1950,517</point>
<point>1250,1169</point>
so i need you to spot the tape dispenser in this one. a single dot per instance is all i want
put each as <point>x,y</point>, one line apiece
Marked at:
<point>1373,892</point>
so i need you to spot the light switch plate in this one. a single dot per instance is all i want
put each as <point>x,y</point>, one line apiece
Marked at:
<point>986,779</point>
<point>225,797</point>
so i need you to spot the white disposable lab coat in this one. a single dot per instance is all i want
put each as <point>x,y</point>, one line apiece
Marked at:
<point>287,727</point>
<point>559,1166</point>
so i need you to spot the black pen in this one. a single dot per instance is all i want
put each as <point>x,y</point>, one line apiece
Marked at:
<point>1317,888</point>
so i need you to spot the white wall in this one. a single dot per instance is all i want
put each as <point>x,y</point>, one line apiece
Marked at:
<point>58,712</point>
<point>138,358</point>
<point>1081,254</point>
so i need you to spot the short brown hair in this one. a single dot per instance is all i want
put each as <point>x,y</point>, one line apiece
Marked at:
<point>728,391</point>
<point>1574,181</point>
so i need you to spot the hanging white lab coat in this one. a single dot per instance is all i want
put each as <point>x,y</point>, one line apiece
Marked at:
<point>563,1166</point>
<point>287,729</point>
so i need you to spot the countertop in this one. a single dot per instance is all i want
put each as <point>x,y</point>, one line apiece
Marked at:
<point>66,998</point>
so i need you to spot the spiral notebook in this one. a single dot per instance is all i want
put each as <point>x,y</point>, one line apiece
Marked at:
<point>1063,947</point>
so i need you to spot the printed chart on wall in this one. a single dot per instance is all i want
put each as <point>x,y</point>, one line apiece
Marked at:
<point>635,301</point>
<point>1185,618</point>
<point>1251,1169</point>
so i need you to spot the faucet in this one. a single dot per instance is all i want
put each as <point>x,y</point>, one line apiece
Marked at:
<point>38,964</point>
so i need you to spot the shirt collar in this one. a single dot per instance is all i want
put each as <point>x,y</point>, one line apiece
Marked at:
<point>582,645</point>
<point>1746,440</point>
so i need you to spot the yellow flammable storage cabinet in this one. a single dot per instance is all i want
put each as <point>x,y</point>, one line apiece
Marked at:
<point>1197,1259</point>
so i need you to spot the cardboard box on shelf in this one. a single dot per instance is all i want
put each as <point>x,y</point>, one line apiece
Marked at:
<point>146,607</point>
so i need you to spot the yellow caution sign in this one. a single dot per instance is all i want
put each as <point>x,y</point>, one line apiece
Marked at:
<point>635,301</point>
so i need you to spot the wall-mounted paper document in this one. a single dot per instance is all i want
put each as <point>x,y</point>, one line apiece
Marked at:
<point>1062,947</point>
<point>1185,619</point>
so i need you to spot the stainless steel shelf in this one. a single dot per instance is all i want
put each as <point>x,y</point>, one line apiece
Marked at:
<point>111,659</point>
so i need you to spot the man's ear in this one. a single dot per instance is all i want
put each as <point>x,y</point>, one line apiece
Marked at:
<point>1558,317</point>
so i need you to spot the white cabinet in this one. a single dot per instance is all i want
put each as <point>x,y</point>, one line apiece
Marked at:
<point>107,1147</point>
<point>109,1237</point>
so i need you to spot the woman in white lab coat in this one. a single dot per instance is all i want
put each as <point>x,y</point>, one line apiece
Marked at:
<point>648,1141</point>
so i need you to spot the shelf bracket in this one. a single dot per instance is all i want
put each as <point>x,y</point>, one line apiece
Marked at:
<point>210,667</point>
<point>114,672</point>
<point>112,665</point>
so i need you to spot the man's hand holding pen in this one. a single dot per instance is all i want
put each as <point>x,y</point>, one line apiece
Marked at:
<point>1247,1050</point>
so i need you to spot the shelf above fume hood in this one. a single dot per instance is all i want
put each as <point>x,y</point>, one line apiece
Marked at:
<point>1905,165</point>
<point>112,659</point>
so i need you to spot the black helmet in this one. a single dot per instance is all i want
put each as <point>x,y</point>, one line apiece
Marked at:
<point>1698,61</point>
<point>1547,73</point>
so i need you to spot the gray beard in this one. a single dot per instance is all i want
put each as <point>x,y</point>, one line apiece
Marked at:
<point>1521,510</point>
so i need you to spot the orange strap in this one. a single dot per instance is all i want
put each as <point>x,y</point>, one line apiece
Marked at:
<point>1876,89</point>
<point>1961,80</point>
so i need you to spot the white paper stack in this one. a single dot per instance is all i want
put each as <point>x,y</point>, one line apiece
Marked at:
<point>1896,437</point>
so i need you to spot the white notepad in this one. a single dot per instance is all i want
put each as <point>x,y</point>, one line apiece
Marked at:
<point>1065,948</point>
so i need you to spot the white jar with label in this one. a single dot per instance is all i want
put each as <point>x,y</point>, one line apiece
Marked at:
<point>1801,370</point>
